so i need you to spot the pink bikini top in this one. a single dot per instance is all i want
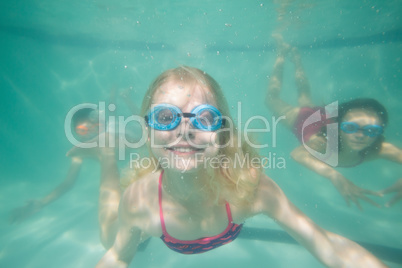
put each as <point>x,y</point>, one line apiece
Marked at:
<point>202,244</point>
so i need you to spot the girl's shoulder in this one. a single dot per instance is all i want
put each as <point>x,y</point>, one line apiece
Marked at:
<point>390,152</point>
<point>268,189</point>
<point>139,205</point>
<point>142,190</point>
<point>267,198</point>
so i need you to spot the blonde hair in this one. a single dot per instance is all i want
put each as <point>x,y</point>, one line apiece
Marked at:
<point>231,182</point>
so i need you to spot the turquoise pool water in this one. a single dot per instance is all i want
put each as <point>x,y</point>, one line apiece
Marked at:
<point>57,54</point>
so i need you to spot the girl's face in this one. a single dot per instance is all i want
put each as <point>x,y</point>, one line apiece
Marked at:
<point>358,141</point>
<point>184,148</point>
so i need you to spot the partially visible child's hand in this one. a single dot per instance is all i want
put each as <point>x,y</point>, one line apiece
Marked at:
<point>353,193</point>
<point>395,188</point>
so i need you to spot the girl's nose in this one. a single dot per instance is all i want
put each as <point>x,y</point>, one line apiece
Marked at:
<point>359,134</point>
<point>185,128</point>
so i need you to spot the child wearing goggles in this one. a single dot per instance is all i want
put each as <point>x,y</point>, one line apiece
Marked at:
<point>85,127</point>
<point>194,205</point>
<point>361,124</point>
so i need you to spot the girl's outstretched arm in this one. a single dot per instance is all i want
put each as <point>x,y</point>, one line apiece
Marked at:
<point>34,206</point>
<point>395,188</point>
<point>329,248</point>
<point>129,235</point>
<point>393,153</point>
<point>349,191</point>
<point>123,249</point>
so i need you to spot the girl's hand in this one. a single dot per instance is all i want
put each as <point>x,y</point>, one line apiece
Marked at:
<point>395,188</point>
<point>352,193</point>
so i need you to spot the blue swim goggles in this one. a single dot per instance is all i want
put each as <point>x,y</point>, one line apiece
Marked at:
<point>167,117</point>
<point>368,130</point>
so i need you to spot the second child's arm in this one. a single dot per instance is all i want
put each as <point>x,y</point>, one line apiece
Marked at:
<point>349,191</point>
